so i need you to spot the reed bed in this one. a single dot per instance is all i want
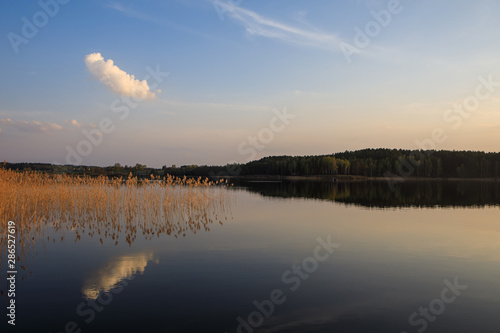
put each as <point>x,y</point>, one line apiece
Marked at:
<point>114,210</point>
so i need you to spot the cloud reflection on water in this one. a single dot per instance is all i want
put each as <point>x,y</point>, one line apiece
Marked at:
<point>114,272</point>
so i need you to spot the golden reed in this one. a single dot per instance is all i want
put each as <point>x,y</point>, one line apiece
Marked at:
<point>114,210</point>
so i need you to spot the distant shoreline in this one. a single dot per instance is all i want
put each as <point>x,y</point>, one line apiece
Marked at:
<point>350,178</point>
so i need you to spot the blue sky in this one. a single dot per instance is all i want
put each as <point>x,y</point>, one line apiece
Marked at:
<point>232,65</point>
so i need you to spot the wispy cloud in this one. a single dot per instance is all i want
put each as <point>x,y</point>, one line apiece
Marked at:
<point>73,124</point>
<point>31,126</point>
<point>259,25</point>
<point>35,126</point>
<point>116,79</point>
<point>129,12</point>
<point>302,93</point>
<point>160,20</point>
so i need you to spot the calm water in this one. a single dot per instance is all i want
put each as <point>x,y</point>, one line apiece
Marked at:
<point>396,256</point>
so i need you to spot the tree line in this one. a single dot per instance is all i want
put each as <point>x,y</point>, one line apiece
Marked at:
<point>382,163</point>
<point>367,162</point>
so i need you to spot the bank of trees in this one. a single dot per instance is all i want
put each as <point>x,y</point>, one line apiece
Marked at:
<point>382,163</point>
<point>367,162</point>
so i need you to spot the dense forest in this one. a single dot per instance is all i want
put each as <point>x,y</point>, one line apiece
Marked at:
<point>367,162</point>
<point>383,163</point>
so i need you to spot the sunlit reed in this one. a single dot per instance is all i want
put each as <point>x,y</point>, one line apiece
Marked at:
<point>112,210</point>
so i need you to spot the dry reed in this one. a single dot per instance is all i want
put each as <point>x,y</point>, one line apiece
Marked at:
<point>111,209</point>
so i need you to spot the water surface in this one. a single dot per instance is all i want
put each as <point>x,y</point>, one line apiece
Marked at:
<point>396,253</point>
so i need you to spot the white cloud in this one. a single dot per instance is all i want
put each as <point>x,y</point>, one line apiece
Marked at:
<point>116,79</point>
<point>256,24</point>
<point>31,126</point>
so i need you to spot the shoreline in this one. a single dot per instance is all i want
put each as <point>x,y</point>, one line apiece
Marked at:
<point>352,178</point>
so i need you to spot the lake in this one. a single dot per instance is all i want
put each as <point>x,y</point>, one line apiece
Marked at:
<point>283,257</point>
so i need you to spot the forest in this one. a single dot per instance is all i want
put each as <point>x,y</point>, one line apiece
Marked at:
<point>383,163</point>
<point>367,162</point>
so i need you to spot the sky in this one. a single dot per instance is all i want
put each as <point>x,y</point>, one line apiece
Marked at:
<point>228,81</point>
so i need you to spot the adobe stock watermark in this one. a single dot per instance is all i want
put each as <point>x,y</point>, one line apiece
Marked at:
<point>120,106</point>
<point>292,279</point>
<point>254,143</point>
<point>87,309</point>
<point>420,319</point>
<point>30,28</point>
<point>363,37</point>
<point>454,116</point>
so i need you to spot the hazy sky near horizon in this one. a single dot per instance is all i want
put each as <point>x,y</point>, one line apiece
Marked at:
<point>350,75</point>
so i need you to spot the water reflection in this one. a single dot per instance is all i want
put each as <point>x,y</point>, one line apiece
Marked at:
<point>114,272</point>
<point>380,194</point>
<point>391,262</point>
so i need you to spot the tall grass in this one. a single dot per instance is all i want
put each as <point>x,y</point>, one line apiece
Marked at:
<point>113,210</point>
